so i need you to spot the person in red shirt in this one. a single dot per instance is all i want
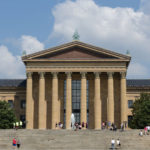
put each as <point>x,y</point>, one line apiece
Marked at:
<point>14,143</point>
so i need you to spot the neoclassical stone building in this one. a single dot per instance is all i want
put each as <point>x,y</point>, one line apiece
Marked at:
<point>77,78</point>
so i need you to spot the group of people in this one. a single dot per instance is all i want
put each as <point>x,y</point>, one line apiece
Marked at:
<point>113,127</point>
<point>16,143</point>
<point>59,125</point>
<point>80,125</point>
<point>146,131</point>
<point>109,125</point>
<point>17,125</point>
<point>115,143</point>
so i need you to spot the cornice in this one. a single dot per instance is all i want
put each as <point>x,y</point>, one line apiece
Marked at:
<point>73,44</point>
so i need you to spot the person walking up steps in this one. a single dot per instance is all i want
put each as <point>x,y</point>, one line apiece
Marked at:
<point>18,143</point>
<point>113,143</point>
<point>14,142</point>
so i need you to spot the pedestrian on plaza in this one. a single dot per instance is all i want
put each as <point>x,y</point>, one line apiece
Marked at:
<point>14,125</point>
<point>113,143</point>
<point>18,143</point>
<point>14,142</point>
<point>141,133</point>
<point>145,131</point>
<point>20,124</point>
<point>118,143</point>
<point>17,125</point>
<point>122,127</point>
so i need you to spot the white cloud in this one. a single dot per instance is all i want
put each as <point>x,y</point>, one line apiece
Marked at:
<point>30,44</point>
<point>145,6</point>
<point>118,29</point>
<point>11,66</point>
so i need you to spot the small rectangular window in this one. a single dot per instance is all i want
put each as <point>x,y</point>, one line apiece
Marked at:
<point>130,120</point>
<point>23,104</point>
<point>130,103</point>
<point>11,103</point>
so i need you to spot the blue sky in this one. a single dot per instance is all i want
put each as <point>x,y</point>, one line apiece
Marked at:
<point>33,25</point>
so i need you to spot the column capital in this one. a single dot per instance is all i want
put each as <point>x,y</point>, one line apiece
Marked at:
<point>110,74</point>
<point>83,74</point>
<point>123,75</point>
<point>68,74</point>
<point>41,74</point>
<point>54,74</point>
<point>97,74</point>
<point>29,74</point>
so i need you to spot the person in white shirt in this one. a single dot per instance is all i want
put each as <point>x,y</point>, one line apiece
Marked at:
<point>141,133</point>
<point>113,143</point>
<point>118,142</point>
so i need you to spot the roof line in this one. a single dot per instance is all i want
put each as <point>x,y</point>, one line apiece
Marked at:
<point>76,43</point>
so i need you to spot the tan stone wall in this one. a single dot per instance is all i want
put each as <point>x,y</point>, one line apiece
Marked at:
<point>20,94</point>
<point>16,96</point>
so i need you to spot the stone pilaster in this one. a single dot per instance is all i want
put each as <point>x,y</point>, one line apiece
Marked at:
<point>68,100</point>
<point>110,103</point>
<point>97,102</point>
<point>29,102</point>
<point>83,104</point>
<point>54,100</point>
<point>42,102</point>
<point>123,98</point>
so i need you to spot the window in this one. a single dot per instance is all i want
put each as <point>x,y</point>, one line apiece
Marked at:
<point>130,103</point>
<point>23,119</point>
<point>11,103</point>
<point>129,120</point>
<point>23,104</point>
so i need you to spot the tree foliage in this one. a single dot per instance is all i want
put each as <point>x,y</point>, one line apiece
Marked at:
<point>7,116</point>
<point>141,112</point>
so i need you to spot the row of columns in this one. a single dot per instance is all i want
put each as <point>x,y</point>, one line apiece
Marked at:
<point>83,103</point>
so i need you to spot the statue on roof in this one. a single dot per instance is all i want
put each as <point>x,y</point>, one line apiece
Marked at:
<point>128,52</point>
<point>24,53</point>
<point>76,35</point>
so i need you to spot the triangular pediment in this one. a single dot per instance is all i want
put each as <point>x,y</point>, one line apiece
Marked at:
<point>76,51</point>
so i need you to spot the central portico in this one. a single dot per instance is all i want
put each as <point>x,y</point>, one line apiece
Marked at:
<point>75,78</point>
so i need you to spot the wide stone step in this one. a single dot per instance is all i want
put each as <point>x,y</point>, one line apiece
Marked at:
<point>73,140</point>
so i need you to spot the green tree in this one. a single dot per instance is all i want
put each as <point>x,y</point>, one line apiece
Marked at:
<point>141,112</point>
<point>7,116</point>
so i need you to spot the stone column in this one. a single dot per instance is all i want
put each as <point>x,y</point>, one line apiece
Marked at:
<point>110,103</point>
<point>68,100</point>
<point>97,102</point>
<point>61,98</point>
<point>83,104</point>
<point>54,100</point>
<point>91,104</point>
<point>42,102</point>
<point>123,98</point>
<point>29,102</point>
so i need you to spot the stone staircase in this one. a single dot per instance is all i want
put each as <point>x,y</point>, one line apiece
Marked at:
<point>73,140</point>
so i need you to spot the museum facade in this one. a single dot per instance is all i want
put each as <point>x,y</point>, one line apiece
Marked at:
<point>77,78</point>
